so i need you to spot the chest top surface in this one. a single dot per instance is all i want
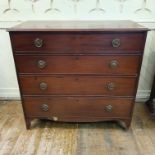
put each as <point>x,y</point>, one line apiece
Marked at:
<point>105,26</point>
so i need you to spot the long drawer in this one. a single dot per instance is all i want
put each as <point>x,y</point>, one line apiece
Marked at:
<point>77,42</point>
<point>77,108</point>
<point>77,85</point>
<point>78,64</point>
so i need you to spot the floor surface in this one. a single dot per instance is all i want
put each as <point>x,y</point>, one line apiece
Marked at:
<point>49,138</point>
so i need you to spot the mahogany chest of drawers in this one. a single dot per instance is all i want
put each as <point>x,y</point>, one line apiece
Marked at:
<point>78,71</point>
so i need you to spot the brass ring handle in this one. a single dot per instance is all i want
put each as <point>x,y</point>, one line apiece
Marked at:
<point>43,86</point>
<point>113,64</point>
<point>38,42</point>
<point>116,43</point>
<point>109,108</point>
<point>44,107</point>
<point>41,64</point>
<point>111,86</point>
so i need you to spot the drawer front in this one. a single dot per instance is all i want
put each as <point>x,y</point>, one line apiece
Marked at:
<point>92,64</point>
<point>77,42</point>
<point>77,108</point>
<point>77,85</point>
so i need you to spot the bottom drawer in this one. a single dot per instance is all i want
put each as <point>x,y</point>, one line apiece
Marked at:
<point>77,109</point>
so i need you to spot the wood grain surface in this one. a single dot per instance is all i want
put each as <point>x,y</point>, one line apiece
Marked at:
<point>77,42</point>
<point>51,138</point>
<point>77,85</point>
<point>76,109</point>
<point>109,25</point>
<point>78,64</point>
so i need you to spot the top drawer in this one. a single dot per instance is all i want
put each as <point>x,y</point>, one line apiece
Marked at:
<point>77,42</point>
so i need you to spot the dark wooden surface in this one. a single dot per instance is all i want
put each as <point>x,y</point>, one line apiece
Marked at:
<point>78,108</point>
<point>79,64</point>
<point>77,85</point>
<point>77,42</point>
<point>77,69</point>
